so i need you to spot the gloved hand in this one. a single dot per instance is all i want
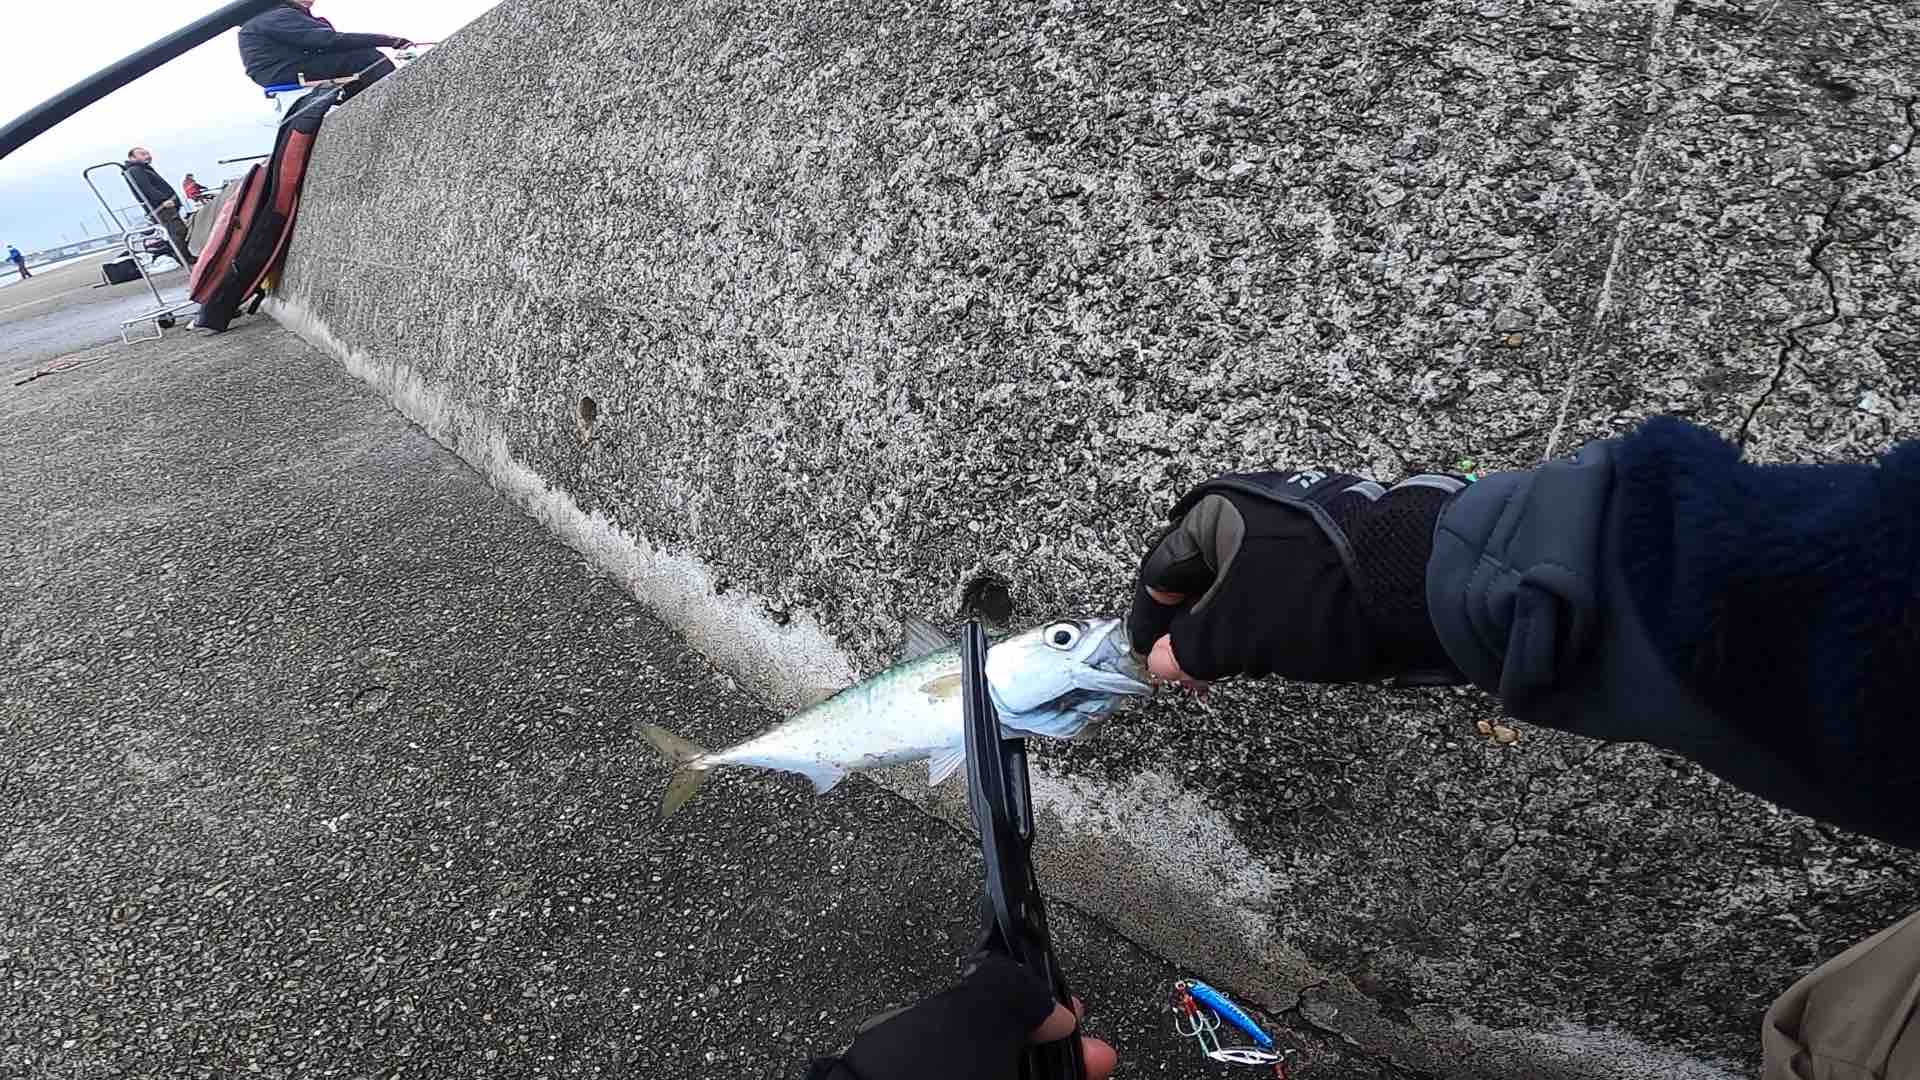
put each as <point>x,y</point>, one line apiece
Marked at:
<point>1307,575</point>
<point>974,1031</point>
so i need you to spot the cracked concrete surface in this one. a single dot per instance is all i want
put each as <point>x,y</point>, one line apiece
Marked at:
<point>870,300</point>
<point>1854,220</point>
<point>1797,154</point>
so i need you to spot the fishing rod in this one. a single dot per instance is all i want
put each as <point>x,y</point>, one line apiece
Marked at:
<point>1002,805</point>
<point>42,117</point>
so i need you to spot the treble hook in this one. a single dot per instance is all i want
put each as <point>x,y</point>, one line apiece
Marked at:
<point>1200,1021</point>
<point>1194,1022</point>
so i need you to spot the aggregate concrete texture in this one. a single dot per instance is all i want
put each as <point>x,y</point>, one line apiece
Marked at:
<point>842,306</point>
<point>315,761</point>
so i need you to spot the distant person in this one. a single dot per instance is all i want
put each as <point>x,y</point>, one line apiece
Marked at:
<point>194,191</point>
<point>290,44</point>
<point>158,195</point>
<point>18,260</point>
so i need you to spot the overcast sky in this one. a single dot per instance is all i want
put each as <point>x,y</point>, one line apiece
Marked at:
<point>190,113</point>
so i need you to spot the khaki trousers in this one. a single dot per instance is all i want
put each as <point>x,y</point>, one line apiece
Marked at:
<point>169,218</point>
<point>1855,1017</point>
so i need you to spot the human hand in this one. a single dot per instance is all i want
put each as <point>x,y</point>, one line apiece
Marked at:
<point>168,205</point>
<point>975,1031</point>
<point>400,43</point>
<point>1308,575</point>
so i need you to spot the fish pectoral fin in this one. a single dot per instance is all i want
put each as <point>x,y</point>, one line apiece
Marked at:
<point>824,777</point>
<point>944,763</point>
<point>919,638</point>
<point>944,687</point>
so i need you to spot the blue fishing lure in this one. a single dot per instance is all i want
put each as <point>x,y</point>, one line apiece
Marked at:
<point>1199,1010</point>
<point>1231,1013</point>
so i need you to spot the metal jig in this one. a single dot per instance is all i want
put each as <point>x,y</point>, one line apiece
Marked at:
<point>1198,1012</point>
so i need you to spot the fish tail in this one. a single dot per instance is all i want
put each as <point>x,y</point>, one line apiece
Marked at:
<point>684,754</point>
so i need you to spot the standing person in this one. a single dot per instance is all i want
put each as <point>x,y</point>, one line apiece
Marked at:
<point>159,197</point>
<point>193,191</point>
<point>18,260</point>
<point>289,43</point>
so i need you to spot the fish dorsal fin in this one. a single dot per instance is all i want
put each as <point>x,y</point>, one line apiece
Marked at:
<point>945,763</point>
<point>920,638</point>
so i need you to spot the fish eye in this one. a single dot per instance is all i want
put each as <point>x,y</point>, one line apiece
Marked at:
<point>1063,635</point>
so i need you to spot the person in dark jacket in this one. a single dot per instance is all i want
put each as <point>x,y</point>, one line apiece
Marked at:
<point>1761,620</point>
<point>159,199</point>
<point>290,44</point>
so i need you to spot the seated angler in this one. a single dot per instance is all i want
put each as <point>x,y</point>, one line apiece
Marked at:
<point>290,44</point>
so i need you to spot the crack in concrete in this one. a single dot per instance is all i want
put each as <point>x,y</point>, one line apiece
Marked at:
<point>1790,341</point>
<point>1298,1020</point>
<point>42,664</point>
<point>1363,456</point>
<point>1523,802</point>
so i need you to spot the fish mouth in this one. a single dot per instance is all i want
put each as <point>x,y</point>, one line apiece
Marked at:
<point>1115,656</point>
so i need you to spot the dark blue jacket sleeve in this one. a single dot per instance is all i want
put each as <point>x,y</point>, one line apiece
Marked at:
<point>1761,620</point>
<point>305,34</point>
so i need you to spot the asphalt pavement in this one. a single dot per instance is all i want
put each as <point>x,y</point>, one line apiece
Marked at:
<point>61,310</point>
<point>318,762</point>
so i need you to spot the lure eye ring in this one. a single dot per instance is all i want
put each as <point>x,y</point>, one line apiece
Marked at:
<point>1062,635</point>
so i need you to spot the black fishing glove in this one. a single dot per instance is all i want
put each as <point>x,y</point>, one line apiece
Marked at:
<point>975,1031</point>
<point>1307,575</point>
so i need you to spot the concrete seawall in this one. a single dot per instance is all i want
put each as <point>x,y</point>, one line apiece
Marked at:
<point>800,319</point>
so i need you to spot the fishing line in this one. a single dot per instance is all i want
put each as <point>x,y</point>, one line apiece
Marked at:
<point>71,363</point>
